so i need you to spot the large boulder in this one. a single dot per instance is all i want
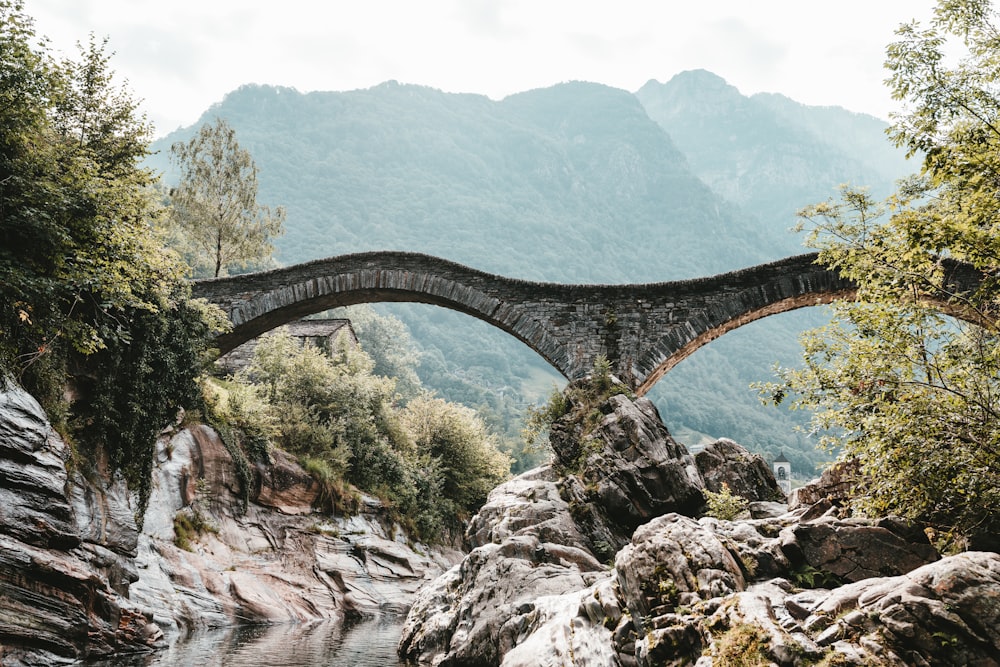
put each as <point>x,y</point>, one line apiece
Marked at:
<point>631,467</point>
<point>673,566</point>
<point>570,629</point>
<point>833,486</point>
<point>541,540</point>
<point>467,616</point>
<point>856,549</point>
<point>691,591</point>
<point>531,503</point>
<point>526,547</point>
<point>725,462</point>
<point>942,613</point>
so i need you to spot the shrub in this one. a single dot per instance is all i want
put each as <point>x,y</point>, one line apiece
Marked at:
<point>725,505</point>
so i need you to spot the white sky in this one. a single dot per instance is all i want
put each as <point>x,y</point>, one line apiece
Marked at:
<point>181,56</point>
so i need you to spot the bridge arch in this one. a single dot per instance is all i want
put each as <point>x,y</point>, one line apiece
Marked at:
<point>259,302</point>
<point>644,330</point>
<point>665,362</point>
<point>795,285</point>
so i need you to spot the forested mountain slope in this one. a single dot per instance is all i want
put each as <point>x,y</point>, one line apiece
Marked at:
<point>560,184</point>
<point>575,183</point>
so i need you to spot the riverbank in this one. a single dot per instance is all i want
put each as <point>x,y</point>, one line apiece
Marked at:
<point>80,580</point>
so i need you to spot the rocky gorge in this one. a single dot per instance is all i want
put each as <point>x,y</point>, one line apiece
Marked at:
<point>603,557</point>
<point>80,580</point>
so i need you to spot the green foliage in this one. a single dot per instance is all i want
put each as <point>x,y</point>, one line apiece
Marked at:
<point>457,440</point>
<point>188,525</point>
<point>388,342</point>
<point>192,521</point>
<point>336,495</point>
<point>90,301</point>
<point>579,402</point>
<point>433,461</point>
<point>724,505</point>
<point>215,202</point>
<point>540,418</point>
<point>914,395</point>
<point>131,389</point>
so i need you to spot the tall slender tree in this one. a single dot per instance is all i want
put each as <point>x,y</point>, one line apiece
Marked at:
<point>216,204</point>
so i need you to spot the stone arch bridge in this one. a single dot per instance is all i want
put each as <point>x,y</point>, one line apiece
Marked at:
<point>644,330</point>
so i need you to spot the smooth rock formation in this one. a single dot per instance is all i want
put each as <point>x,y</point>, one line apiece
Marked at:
<point>78,580</point>
<point>66,548</point>
<point>272,562</point>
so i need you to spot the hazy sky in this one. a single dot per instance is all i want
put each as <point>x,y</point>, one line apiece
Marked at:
<point>181,56</point>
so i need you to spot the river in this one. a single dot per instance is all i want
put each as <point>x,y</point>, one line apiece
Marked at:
<point>368,643</point>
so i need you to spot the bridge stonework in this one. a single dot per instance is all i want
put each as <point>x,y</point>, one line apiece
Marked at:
<point>643,330</point>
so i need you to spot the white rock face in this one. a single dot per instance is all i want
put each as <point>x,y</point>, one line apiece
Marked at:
<point>263,565</point>
<point>78,579</point>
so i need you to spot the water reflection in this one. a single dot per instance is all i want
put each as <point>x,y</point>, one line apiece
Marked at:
<point>369,643</point>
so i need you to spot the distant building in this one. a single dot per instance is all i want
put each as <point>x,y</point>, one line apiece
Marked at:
<point>320,333</point>
<point>783,473</point>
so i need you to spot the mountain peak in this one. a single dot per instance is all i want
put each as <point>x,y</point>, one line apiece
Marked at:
<point>693,91</point>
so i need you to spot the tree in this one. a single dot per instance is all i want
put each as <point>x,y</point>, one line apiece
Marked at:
<point>89,300</point>
<point>215,202</point>
<point>457,440</point>
<point>388,342</point>
<point>913,395</point>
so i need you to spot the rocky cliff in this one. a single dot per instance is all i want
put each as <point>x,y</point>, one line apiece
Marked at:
<point>79,580</point>
<point>600,559</point>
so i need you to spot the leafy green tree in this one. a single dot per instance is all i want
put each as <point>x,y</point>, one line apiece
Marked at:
<point>433,461</point>
<point>216,204</point>
<point>457,440</point>
<point>88,298</point>
<point>74,201</point>
<point>913,395</point>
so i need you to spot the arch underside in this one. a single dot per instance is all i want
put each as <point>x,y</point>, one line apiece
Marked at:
<point>509,319</point>
<point>662,363</point>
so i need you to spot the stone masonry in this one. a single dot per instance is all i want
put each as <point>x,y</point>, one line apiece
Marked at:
<point>644,330</point>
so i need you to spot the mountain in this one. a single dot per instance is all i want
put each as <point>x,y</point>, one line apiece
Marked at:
<point>769,154</point>
<point>562,184</point>
<point>578,183</point>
